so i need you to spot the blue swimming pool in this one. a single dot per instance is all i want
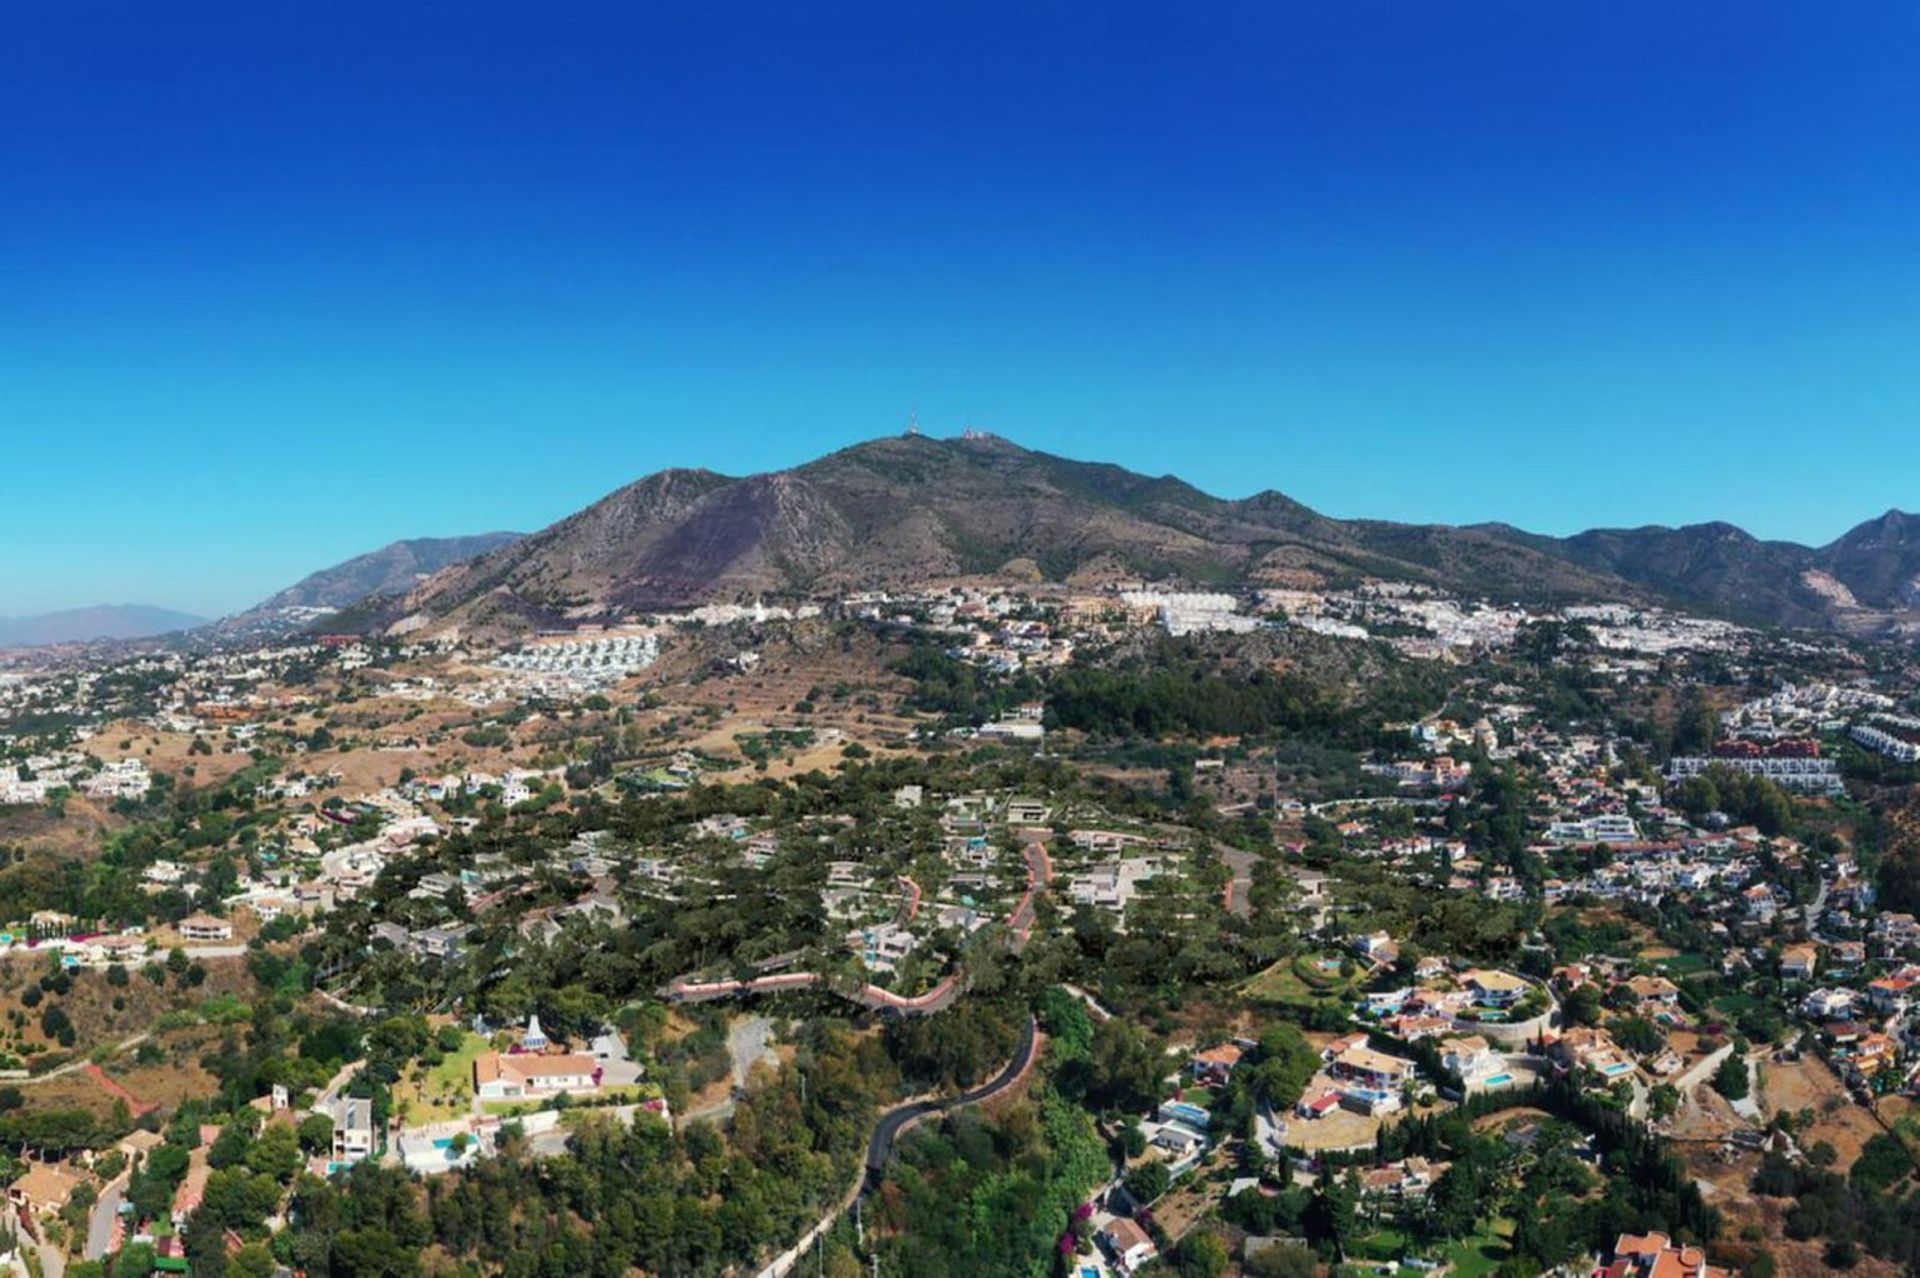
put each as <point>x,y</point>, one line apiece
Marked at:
<point>1499,1080</point>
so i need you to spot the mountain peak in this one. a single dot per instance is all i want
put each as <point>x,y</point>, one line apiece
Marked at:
<point>903,510</point>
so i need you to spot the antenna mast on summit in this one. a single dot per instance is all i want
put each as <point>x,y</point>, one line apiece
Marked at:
<point>913,423</point>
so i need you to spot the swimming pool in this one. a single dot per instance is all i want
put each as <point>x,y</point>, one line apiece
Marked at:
<point>1499,1080</point>
<point>1186,1112</point>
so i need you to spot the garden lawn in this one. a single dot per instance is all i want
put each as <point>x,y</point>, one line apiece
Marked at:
<point>1284,982</point>
<point>1682,965</point>
<point>1482,1253</point>
<point>446,1090</point>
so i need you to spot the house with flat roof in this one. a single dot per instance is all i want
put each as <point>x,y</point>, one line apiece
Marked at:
<point>353,1135</point>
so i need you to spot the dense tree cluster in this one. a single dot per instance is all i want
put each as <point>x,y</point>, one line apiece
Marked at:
<point>1745,799</point>
<point>698,1201</point>
<point>984,1197</point>
<point>1189,699</point>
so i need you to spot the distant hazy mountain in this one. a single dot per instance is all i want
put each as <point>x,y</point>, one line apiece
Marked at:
<point>108,621</point>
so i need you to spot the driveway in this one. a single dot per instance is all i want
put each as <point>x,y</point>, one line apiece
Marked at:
<point>106,1213</point>
<point>1239,863</point>
<point>616,1063</point>
<point>751,1043</point>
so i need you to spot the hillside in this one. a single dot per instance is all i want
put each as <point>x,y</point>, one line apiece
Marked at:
<point>1865,580</point>
<point>907,510</point>
<point>900,511</point>
<point>391,570</point>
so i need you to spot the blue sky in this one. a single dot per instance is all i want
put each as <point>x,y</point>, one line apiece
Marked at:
<point>280,283</point>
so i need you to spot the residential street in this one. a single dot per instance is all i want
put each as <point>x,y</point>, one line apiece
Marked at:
<point>106,1212</point>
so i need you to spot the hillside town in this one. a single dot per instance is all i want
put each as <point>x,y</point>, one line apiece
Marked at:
<point>1497,942</point>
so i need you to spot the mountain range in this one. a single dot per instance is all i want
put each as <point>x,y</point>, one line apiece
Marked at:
<point>907,510</point>
<point>393,569</point>
<point>83,625</point>
<point>390,571</point>
<point>911,509</point>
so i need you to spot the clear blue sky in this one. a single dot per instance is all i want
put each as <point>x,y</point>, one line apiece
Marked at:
<point>281,282</point>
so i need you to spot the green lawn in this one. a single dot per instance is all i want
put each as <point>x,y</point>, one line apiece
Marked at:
<point>1682,965</point>
<point>512,1109</point>
<point>1481,1254</point>
<point>1284,983</point>
<point>1382,1244</point>
<point>446,1090</point>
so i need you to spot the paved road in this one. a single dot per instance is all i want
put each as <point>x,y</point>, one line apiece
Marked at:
<point>880,1148</point>
<point>887,1132</point>
<point>53,1261</point>
<point>105,1213</point>
<point>1239,863</point>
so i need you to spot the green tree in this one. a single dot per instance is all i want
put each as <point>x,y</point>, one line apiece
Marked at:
<point>1201,1254</point>
<point>1148,1181</point>
<point>1731,1080</point>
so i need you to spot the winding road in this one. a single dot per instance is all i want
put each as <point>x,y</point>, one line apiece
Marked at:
<point>886,1133</point>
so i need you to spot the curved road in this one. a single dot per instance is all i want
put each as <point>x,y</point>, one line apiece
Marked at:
<point>886,1132</point>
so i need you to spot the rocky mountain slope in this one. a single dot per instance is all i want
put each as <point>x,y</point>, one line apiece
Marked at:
<point>1868,579</point>
<point>906,510</point>
<point>389,571</point>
